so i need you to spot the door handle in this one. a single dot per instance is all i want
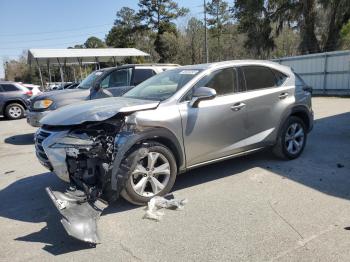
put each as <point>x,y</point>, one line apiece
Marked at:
<point>237,106</point>
<point>283,95</point>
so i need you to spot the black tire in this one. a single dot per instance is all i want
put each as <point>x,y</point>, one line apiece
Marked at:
<point>281,147</point>
<point>14,111</point>
<point>128,192</point>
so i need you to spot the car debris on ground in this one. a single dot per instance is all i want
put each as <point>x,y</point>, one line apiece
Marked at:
<point>157,203</point>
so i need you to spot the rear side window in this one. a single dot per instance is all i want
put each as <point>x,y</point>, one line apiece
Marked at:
<point>9,88</point>
<point>224,81</point>
<point>280,77</point>
<point>258,77</point>
<point>141,75</point>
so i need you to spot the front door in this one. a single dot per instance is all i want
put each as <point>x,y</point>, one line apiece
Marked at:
<point>215,128</point>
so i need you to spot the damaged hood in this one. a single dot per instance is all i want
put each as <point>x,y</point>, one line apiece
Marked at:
<point>96,110</point>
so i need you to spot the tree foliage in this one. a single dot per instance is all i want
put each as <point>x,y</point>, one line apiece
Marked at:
<point>254,21</point>
<point>159,16</point>
<point>94,42</point>
<point>237,29</point>
<point>219,17</point>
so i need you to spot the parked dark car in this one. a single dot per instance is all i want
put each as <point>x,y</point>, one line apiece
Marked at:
<point>13,100</point>
<point>107,82</point>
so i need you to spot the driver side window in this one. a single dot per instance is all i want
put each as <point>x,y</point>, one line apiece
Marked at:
<point>223,81</point>
<point>117,78</point>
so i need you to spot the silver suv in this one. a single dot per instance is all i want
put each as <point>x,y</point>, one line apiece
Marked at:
<point>136,145</point>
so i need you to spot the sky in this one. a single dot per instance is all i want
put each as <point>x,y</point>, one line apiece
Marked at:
<point>26,24</point>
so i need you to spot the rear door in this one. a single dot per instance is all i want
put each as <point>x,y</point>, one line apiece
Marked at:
<point>266,99</point>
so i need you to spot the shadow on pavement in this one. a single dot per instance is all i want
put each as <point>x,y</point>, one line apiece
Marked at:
<point>24,139</point>
<point>26,200</point>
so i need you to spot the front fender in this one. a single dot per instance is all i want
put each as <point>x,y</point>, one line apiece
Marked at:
<point>125,140</point>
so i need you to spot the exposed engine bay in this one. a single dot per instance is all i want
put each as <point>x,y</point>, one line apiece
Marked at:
<point>84,155</point>
<point>90,163</point>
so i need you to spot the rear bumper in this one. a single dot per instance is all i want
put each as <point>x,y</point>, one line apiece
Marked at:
<point>33,118</point>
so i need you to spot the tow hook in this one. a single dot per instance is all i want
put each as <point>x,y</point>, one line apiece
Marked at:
<point>79,215</point>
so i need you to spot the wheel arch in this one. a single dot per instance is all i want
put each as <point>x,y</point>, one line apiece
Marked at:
<point>302,113</point>
<point>16,101</point>
<point>299,111</point>
<point>125,141</point>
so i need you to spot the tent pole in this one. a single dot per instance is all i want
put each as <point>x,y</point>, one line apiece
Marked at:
<point>115,61</point>
<point>48,69</point>
<point>41,76</point>
<point>97,63</point>
<point>80,65</point>
<point>75,78</point>
<point>61,70</point>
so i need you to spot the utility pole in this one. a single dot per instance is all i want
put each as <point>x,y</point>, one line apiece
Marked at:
<point>206,33</point>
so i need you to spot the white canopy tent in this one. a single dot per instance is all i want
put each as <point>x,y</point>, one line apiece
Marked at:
<point>78,56</point>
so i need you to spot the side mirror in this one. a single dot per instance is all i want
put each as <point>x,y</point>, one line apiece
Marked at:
<point>201,94</point>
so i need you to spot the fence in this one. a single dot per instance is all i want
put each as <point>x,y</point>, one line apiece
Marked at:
<point>328,73</point>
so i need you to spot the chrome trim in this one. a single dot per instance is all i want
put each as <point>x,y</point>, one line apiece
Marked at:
<point>225,158</point>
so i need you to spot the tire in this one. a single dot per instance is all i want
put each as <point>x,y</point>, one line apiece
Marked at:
<point>140,186</point>
<point>14,111</point>
<point>286,146</point>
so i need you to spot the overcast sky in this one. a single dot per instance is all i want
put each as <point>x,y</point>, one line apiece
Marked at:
<point>28,24</point>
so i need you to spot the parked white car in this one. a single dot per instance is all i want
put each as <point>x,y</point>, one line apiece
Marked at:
<point>34,88</point>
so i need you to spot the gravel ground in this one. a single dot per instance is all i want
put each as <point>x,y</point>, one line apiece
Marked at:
<point>253,208</point>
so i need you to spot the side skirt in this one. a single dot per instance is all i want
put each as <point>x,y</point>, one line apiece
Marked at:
<point>225,158</point>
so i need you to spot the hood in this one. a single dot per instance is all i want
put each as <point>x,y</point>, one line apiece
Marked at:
<point>95,110</point>
<point>63,97</point>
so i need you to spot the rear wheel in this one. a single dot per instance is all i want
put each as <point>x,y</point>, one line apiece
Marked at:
<point>153,174</point>
<point>292,139</point>
<point>14,111</point>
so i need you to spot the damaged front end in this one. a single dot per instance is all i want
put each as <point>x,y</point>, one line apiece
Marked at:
<point>84,144</point>
<point>83,156</point>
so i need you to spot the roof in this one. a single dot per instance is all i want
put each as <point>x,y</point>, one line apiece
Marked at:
<point>238,63</point>
<point>81,55</point>
<point>139,65</point>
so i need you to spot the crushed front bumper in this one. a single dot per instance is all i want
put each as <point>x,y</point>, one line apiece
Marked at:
<point>33,118</point>
<point>52,158</point>
<point>79,216</point>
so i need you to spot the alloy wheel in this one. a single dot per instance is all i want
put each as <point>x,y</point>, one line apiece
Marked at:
<point>294,139</point>
<point>151,174</point>
<point>15,111</point>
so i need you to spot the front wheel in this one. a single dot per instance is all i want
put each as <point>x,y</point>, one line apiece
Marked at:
<point>292,139</point>
<point>153,174</point>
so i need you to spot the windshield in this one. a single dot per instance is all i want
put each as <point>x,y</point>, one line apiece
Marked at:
<point>89,80</point>
<point>163,85</point>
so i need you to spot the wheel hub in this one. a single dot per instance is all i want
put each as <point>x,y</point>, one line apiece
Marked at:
<point>294,139</point>
<point>151,174</point>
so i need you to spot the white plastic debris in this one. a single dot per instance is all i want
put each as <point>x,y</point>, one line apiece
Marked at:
<point>157,202</point>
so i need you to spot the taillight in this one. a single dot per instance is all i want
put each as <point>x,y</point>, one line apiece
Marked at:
<point>30,93</point>
<point>308,89</point>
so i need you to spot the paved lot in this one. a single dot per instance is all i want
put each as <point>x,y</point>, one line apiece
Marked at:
<point>254,208</point>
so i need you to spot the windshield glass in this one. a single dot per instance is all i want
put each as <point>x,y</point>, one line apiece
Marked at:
<point>89,80</point>
<point>163,85</point>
